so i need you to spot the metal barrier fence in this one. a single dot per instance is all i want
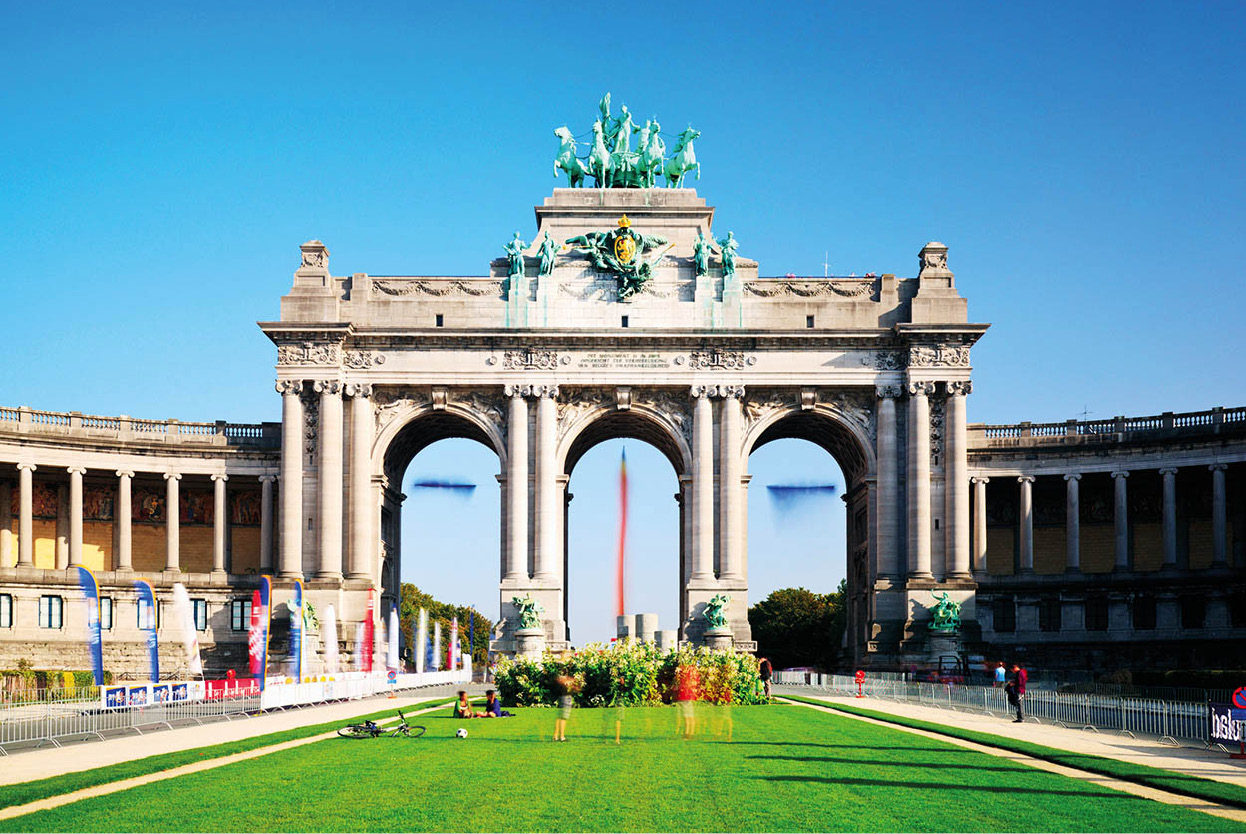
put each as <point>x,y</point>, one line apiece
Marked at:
<point>1171,722</point>
<point>35,718</point>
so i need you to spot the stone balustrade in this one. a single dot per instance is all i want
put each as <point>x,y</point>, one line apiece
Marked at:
<point>125,429</point>
<point>1113,430</point>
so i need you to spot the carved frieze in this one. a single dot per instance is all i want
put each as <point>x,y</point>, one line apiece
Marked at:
<point>531,359</point>
<point>937,413</point>
<point>671,403</point>
<point>578,401</point>
<point>311,418</point>
<point>437,289</point>
<point>770,288</point>
<point>714,359</point>
<point>391,399</point>
<point>488,405</point>
<point>931,356</point>
<point>309,353</point>
<point>360,359</point>
<point>888,360</point>
<point>761,403</point>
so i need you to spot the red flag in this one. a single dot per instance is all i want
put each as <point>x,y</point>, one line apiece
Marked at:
<point>622,529</point>
<point>255,637</point>
<point>369,632</point>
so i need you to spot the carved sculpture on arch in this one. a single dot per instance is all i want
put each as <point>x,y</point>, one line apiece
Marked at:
<point>648,404</point>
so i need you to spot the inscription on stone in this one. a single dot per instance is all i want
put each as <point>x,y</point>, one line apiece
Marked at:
<point>623,360</point>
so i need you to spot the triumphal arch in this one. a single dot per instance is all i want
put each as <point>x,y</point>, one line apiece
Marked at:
<point>628,314</point>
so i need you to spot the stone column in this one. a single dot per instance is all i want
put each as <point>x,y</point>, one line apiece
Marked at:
<point>172,518</point>
<point>1219,515</point>
<point>220,518</point>
<point>1073,523</point>
<point>979,524</point>
<point>1122,521</point>
<point>123,515</point>
<point>362,505</point>
<point>6,524</point>
<point>956,482</point>
<point>290,554</point>
<point>730,543</point>
<point>75,515</point>
<point>515,568</point>
<point>919,479</point>
<point>1026,519</point>
<point>266,523</point>
<point>548,523</point>
<point>62,526</point>
<point>1169,474</point>
<point>25,513</point>
<point>702,486</point>
<point>329,478</point>
<point>887,544</point>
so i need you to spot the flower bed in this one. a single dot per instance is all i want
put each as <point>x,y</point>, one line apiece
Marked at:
<point>630,673</point>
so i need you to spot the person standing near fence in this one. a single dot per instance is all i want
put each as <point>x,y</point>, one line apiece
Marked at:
<point>1000,674</point>
<point>1019,679</point>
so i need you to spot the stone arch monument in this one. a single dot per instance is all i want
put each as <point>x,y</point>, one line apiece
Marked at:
<point>705,363</point>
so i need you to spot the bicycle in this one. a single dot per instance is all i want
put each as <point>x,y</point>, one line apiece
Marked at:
<point>370,729</point>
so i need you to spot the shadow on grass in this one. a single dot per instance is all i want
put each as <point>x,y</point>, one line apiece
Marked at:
<point>940,765</point>
<point>928,786</point>
<point>852,746</point>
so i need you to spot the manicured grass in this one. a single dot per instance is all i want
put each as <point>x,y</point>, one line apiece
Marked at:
<point>1168,780</point>
<point>786,768</point>
<point>23,792</point>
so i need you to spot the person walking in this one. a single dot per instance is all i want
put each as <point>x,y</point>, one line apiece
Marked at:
<point>1000,674</point>
<point>1019,679</point>
<point>764,671</point>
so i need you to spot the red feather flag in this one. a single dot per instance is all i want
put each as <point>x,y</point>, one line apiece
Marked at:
<point>622,528</point>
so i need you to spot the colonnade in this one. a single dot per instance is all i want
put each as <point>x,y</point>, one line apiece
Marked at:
<point>1120,516</point>
<point>918,526</point>
<point>123,520</point>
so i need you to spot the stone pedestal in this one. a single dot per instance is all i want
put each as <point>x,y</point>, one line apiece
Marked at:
<point>719,638</point>
<point>942,644</point>
<point>530,642</point>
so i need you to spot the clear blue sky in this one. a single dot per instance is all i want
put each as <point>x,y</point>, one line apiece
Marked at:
<point>160,163</point>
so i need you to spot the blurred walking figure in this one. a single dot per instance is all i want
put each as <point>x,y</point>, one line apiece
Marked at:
<point>764,671</point>
<point>689,686</point>
<point>566,685</point>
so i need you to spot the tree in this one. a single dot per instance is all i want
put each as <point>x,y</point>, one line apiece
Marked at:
<point>413,599</point>
<point>796,627</point>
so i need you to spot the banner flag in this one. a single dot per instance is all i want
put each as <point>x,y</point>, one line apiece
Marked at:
<point>328,636</point>
<point>421,643</point>
<point>391,656</point>
<point>437,646</point>
<point>185,613</point>
<point>257,638</point>
<point>147,623</point>
<point>453,656</point>
<point>296,631</point>
<point>360,631</point>
<point>91,591</point>
<point>619,574</point>
<point>471,633</point>
<point>369,632</point>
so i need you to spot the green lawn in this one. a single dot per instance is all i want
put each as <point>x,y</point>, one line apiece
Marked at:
<point>786,768</point>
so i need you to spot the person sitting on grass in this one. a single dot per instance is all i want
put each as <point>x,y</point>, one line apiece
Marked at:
<point>493,707</point>
<point>463,707</point>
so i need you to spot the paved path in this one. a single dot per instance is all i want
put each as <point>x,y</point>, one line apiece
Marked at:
<point>1206,764</point>
<point>1146,792</point>
<point>27,765</point>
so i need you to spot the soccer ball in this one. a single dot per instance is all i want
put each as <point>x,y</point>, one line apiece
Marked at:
<point>460,733</point>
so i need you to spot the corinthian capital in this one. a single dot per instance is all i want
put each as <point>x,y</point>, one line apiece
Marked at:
<point>962,387</point>
<point>921,389</point>
<point>327,386</point>
<point>888,392</point>
<point>289,386</point>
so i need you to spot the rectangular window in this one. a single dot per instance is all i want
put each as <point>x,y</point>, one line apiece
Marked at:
<point>1005,614</point>
<point>808,321</point>
<point>1096,613</point>
<point>6,611</point>
<point>1193,612</point>
<point>625,321</point>
<point>105,613</point>
<point>240,614</point>
<point>201,614</point>
<point>148,618</point>
<point>51,612</point>
<point>1144,611</point>
<point>441,320</point>
<point>1049,614</point>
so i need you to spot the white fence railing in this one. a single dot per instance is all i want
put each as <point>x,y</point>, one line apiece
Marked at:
<point>52,717</point>
<point>1171,721</point>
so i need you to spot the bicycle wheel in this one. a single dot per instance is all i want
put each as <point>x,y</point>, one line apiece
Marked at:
<point>415,731</point>
<point>355,731</point>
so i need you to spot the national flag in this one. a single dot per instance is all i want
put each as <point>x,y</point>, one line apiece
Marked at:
<point>453,655</point>
<point>391,656</point>
<point>296,631</point>
<point>619,573</point>
<point>369,631</point>
<point>437,645</point>
<point>421,643</point>
<point>91,592</point>
<point>328,636</point>
<point>185,613</point>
